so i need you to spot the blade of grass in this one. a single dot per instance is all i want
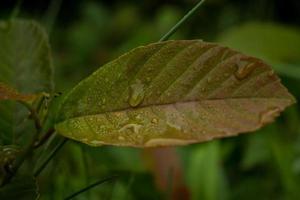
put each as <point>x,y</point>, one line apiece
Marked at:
<point>90,187</point>
<point>182,21</point>
<point>49,158</point>
<point>16,9</point>
<point>51,14</point>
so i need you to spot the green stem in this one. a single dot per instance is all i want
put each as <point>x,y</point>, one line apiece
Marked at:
<point>90,187</point>
<point>51,155</point>
<point>183,20</point>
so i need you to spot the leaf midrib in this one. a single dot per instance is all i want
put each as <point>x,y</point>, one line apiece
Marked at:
<point>289,100</point>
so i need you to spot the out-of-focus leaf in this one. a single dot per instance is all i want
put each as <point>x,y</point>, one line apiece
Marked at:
<point>205,173</point>
<point>25,64</point>
<point>277,44</point>
<point>8,93</point>
<point>20,188</point>
<point>172,93</point>
<point>256,152</point>
<point>283,156</point>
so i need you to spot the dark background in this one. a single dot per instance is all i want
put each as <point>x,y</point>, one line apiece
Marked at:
<point>86,34</point>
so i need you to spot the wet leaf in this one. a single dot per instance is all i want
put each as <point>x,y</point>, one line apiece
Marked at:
<point>21,188</point>
<point>172,93</point>
<point>25,64</point>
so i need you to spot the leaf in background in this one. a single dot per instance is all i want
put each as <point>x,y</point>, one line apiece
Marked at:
<point>8,93</point>
<point>205,174</point>
<point>277,44</point>
<point>172,93</point>
<point>25,64</point>
<point>21,188</point>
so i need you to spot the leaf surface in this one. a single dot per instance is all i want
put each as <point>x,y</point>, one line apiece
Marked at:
<point>8,93</point>
<point>25,64</point>
<point>172,93</point>
<point>23,187</point>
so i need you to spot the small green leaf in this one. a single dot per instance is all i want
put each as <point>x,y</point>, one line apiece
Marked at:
<point>172,93</point>
<point>25,64</point>
<point>20,188</point>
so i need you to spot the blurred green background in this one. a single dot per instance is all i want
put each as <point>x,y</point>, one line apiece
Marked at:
<point>86,34</point>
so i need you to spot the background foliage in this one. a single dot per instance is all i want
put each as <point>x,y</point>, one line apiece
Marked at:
<point>86,34</point>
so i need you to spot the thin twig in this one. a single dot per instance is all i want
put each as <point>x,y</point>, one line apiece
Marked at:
<point>180,22</point>
<point>90,187</point>
<point>45,137</point>
<point>52,154</point>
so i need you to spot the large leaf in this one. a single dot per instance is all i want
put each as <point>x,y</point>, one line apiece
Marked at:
<point>172,93</point>
<point>25,64</point>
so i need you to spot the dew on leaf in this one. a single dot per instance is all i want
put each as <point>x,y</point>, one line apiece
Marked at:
<point>121,138</point>
<point>244,69</point>
<point>269,115</point>
<point>154,121</point>
<point>137,94</point>
<point>131,127</point>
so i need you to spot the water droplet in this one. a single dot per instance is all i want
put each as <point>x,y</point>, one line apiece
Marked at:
<point>121,138</point>
<point>96,143</point>
<point>271,73</point>
<point>166,142</point>
<point>269,115</point>
<point>244,69</point>
<point>149,69</point>
<point>137,94</point>
<point>154,121</point>
<point>208,79</point>
<point>132,127</point>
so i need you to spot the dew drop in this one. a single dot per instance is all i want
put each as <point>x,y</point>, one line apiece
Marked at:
<point>132,127</point>
<point>208,79</point>
<point>271,73</point>
<point>269,115</point>
<point>154,121</point>
<point>244,69</point>
<point>121,138</point>
<point>137,94</point>
<point>96,143</point>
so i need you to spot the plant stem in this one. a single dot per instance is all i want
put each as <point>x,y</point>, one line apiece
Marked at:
<point>90,187</point>
<point>52,154</point>
<point>44,138</point>
<point>180,22</point>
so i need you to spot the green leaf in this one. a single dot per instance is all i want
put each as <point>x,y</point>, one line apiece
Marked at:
<point>172,93</point>
<point>21,188</point>
<point>205,173</point>
<point>25,64</point>
<point>275,43</point>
